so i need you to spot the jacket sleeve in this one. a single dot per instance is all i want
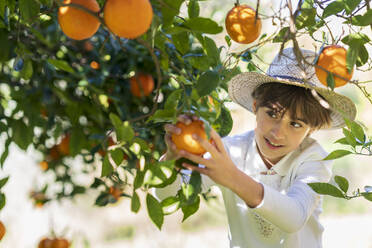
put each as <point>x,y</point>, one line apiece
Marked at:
<point>291,209</point>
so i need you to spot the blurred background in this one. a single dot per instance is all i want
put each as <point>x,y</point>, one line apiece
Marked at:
<point>347,223</point>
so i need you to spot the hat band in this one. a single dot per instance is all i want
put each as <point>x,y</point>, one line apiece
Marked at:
<point>292,79</point>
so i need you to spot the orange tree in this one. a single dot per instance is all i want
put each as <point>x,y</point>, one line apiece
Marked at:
<point>55,101</point>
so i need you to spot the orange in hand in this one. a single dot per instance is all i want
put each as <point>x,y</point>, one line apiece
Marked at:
<point>128,18</point>
<point>242,25</point>
<point>141,84</point>
<point>333,59</point>
<point>184,140</point>
<point>2,230</point>
<point>77,23</point>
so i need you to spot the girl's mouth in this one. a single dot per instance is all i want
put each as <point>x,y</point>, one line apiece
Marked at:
<point>272,145</point>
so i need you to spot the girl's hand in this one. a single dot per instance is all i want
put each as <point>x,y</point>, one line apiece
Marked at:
<point>172,152</point>
<point>219,167</point>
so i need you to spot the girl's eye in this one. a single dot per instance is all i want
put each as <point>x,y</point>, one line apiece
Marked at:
<point>296,124</point>
<point>272,114</point>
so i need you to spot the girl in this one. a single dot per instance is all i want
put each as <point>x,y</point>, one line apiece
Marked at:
<point>263,173</point>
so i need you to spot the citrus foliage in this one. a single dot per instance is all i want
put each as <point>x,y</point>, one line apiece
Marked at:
<point>74,99</point>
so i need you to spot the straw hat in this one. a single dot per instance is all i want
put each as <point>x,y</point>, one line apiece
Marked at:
<point>285,69</point>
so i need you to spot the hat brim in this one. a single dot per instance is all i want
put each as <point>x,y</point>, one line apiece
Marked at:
<point>240,90</point>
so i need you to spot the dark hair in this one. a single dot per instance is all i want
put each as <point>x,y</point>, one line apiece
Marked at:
<point>298,100</point>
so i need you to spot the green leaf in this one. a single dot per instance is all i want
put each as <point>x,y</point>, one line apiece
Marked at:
<point>306,18</point>
<point>173,99</point>
<point>282,35</point>
<point>342,141</point>
<point>61,65</point>
<point>124,131</point>
<point>349,137</point>
<point>135,203</point>
<point>21,134</point>
<point>3,182</point>
<point>27,70</point>
<point>77,141</point>
<point>342,183</point>
<point>337,154</point>
<point>2,200</point>
<point>29,9</point>
<point>193,9</point>
<point>117,155</point>
<point>351,56</point>
<point>358,132</point>
<point>181,42</point>
<point>170,9</point>
<point>350,5</point>
<point>326,189</point>
<point>159,173</point>
<point>6,45</point>
<point>155,211</point>
<point>367,195</point>
<point>163,115</point>
<point>212,51</point>
<point>362,20</point>
<point>363,56</point>
<point>5,153</point>
<point>333,8</point>
<point>189,210</point>
<point>223,125</point>
<point>203,25</point>
<point>355,38</point>
<point>106,167</point>
<point>138,180</point>
<point>330,80</point>
<point>228,40</point>
<point>170,205</point>
<point>207,82</point>
<point>199,61</point>
<point>189,191</point>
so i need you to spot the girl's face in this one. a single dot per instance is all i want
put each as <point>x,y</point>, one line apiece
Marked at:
<point>277,134</point>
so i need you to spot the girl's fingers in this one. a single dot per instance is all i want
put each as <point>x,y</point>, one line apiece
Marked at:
<point>206,145</point>
<point>194,158</point>
<point>184,119</point>
<point>169,128</point>
<point>218,141</point>
<point>195,168</point>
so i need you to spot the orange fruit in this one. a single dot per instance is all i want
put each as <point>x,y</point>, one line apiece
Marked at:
<point>54,153</point>
<point>44,165</point>
<point>2,230</point>
<point>241,24</point>
<point>46,243</point>
<point>60,243</point>
<point>141,84</point>
<point>128,18</point>
<point>76,23</point>
<point>115,192</point>
<point>184,140</point>
<point>88,46</point>
<point>94,65</point>
<point>333,59</point>
<point>64,146</point>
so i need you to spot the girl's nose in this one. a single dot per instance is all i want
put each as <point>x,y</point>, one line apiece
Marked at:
<point>277,131</point>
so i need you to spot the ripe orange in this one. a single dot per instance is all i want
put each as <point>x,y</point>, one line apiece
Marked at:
<point>115,192</point>
<point>76,23</point>
<point>128,18</point>
<point>333,59</point>
<point>2,230</point>
<point>141,84</point>
<point>44,165</point>
<point>60,243</point>
<point>46,243</point>
<point>241,24</point>
<point>54,153</point>
<point>94,65</point>
<point>184,141</point>
<point>64,146</point>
